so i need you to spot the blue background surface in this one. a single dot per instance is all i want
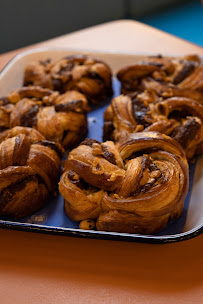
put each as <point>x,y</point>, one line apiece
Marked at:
<point>184,21</point>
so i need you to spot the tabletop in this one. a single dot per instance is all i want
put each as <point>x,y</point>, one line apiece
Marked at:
<point>39,268</point>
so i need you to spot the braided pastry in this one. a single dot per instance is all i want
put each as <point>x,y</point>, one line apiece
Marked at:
<point>178,117</point>
<point>167,76</point>
<point>136,186</point>
<point>29,171</point>
<point>61,118</point>
<point>5,110</point>
<point>82,73</point>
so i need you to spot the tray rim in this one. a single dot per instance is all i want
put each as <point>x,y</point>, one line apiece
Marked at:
<point>93,234</point>
<point>82,50</point>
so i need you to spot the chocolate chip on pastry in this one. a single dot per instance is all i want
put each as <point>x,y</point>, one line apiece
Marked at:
<point>29,171</point>
<point>81,73</point>
<point>178,117</point>
<point>60,118</point>
<point>167,76</point>
<point>135,186</point>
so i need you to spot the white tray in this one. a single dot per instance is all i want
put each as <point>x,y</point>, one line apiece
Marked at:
<point>52,218</point>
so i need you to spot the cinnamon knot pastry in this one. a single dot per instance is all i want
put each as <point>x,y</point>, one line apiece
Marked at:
<point>135,186</point>
<point>29,171</point>
<point>60,118</point>
<point>5,110</point>
<point>179,117</point>
<point>81,73</point>
<point>167,76</point>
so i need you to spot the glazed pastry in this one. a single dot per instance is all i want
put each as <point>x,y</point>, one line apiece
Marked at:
<point>29,171</point>
<point>179,117</point>
<point>82,73</point>
<point>135,186</point>
<point>167,76</point>
<point>5,110</point>
<point>60,118</point>
<point>31,133</point>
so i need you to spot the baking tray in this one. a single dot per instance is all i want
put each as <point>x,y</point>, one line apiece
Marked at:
<point>52,219</point>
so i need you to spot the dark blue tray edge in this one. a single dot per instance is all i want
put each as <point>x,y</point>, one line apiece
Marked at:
<point>92,234</point>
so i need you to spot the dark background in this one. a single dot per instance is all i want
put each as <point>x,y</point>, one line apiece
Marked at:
<point>27,22</point>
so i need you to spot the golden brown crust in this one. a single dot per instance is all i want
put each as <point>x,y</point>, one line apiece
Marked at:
<point>29,132</point>
<point>135,186</point>
<point>59,118</point>
<point>81,73</point>
<point>5,110</point>
<point>167,76</point>
<point>179,117</point>
<point>29,171</point>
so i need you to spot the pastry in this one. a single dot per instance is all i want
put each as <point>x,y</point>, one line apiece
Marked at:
<point>167,76</point>
<point>179,117</point>
<point>5,110</point>
<point>135,186</point>
<point>79,72</point>
<point>60,118</point>
<point>29,171</point>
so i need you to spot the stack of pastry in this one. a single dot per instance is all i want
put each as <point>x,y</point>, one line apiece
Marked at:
<point>135,181</point>
<point>55,97</point>
<point>37,120</point>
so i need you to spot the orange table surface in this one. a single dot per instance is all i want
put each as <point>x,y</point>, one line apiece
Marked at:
<point>39,268</point>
